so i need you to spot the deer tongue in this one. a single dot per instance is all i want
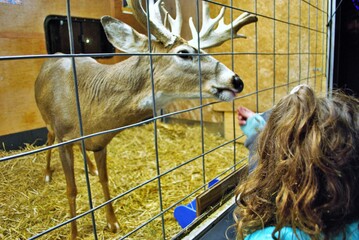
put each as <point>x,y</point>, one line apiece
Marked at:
<point>226,95</point>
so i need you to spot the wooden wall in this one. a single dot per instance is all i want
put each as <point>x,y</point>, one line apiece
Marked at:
<point>22,33</point>
<point>274,53</point>
<point>278,53</point>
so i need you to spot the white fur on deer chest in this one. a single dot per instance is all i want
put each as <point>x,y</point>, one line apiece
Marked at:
<point>161,99</point>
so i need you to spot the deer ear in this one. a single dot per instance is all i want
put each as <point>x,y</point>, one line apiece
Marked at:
<point>124,37</point>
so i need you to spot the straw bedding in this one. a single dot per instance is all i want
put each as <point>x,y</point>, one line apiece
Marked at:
<point>29,206</point>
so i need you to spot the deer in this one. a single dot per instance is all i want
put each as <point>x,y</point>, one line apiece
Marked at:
<point>111,96</point>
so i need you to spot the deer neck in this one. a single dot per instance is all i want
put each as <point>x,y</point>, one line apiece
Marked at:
<point>122,89</point>
<point>135,86</point>
<point>117,88</point>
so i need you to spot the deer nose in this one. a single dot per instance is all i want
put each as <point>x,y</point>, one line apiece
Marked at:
<point>238,83</point>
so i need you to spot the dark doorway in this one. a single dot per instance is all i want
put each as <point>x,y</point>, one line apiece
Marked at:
<point>346,62</point>
<point>88,35</point>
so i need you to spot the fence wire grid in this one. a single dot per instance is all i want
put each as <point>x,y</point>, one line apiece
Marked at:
<point>290,44</point>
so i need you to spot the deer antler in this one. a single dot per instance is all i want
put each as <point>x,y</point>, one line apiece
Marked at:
<point>158,29</point>
<point>210,37</point>
<point>176,24</point>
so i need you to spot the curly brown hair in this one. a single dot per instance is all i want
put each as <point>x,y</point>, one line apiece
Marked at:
<point>308,168</point>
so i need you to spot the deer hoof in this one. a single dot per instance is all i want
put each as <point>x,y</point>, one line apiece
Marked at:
<point>93,172</point>
<point>48,175</point>
<point>47,178</point>
<point>114,227</point>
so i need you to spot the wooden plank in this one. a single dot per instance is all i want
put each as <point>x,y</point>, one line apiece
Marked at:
<point>249,102</point>
<point>27,35</point>
<point>203,224</point>
<point>17,100</point>
<point>207,113</point>
<point>24,35</point>
<point>217,192</point>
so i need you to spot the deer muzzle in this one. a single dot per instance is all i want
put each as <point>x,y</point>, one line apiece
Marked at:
<point>237,83</point>
<point>228,93</point>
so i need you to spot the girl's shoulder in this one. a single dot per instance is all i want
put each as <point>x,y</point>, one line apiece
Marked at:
<point>351,232</point>
<point>287,233</point>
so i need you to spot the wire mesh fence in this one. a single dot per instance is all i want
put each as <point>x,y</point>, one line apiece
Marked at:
<point>156,164</point>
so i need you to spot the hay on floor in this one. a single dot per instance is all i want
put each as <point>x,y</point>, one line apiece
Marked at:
<point>29,206</point>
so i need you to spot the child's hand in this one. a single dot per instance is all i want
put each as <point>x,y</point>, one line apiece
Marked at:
<point>243,114</point>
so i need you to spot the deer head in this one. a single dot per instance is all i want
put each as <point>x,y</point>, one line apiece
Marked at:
<point>176,74</point>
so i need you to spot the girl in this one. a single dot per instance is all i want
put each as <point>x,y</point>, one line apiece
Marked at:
<point>306,183</point>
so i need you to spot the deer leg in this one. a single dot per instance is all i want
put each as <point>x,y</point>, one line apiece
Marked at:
<point>67,160</point>
<point>48,170</point>
<point>100,157</point>
<point>92,168</point>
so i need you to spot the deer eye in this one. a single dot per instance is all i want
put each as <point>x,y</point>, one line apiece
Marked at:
<point>184,54</point>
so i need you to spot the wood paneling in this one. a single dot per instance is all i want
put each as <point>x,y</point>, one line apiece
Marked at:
<point>275,53</point>
<point>22,33</point>
<point>281,53</point>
